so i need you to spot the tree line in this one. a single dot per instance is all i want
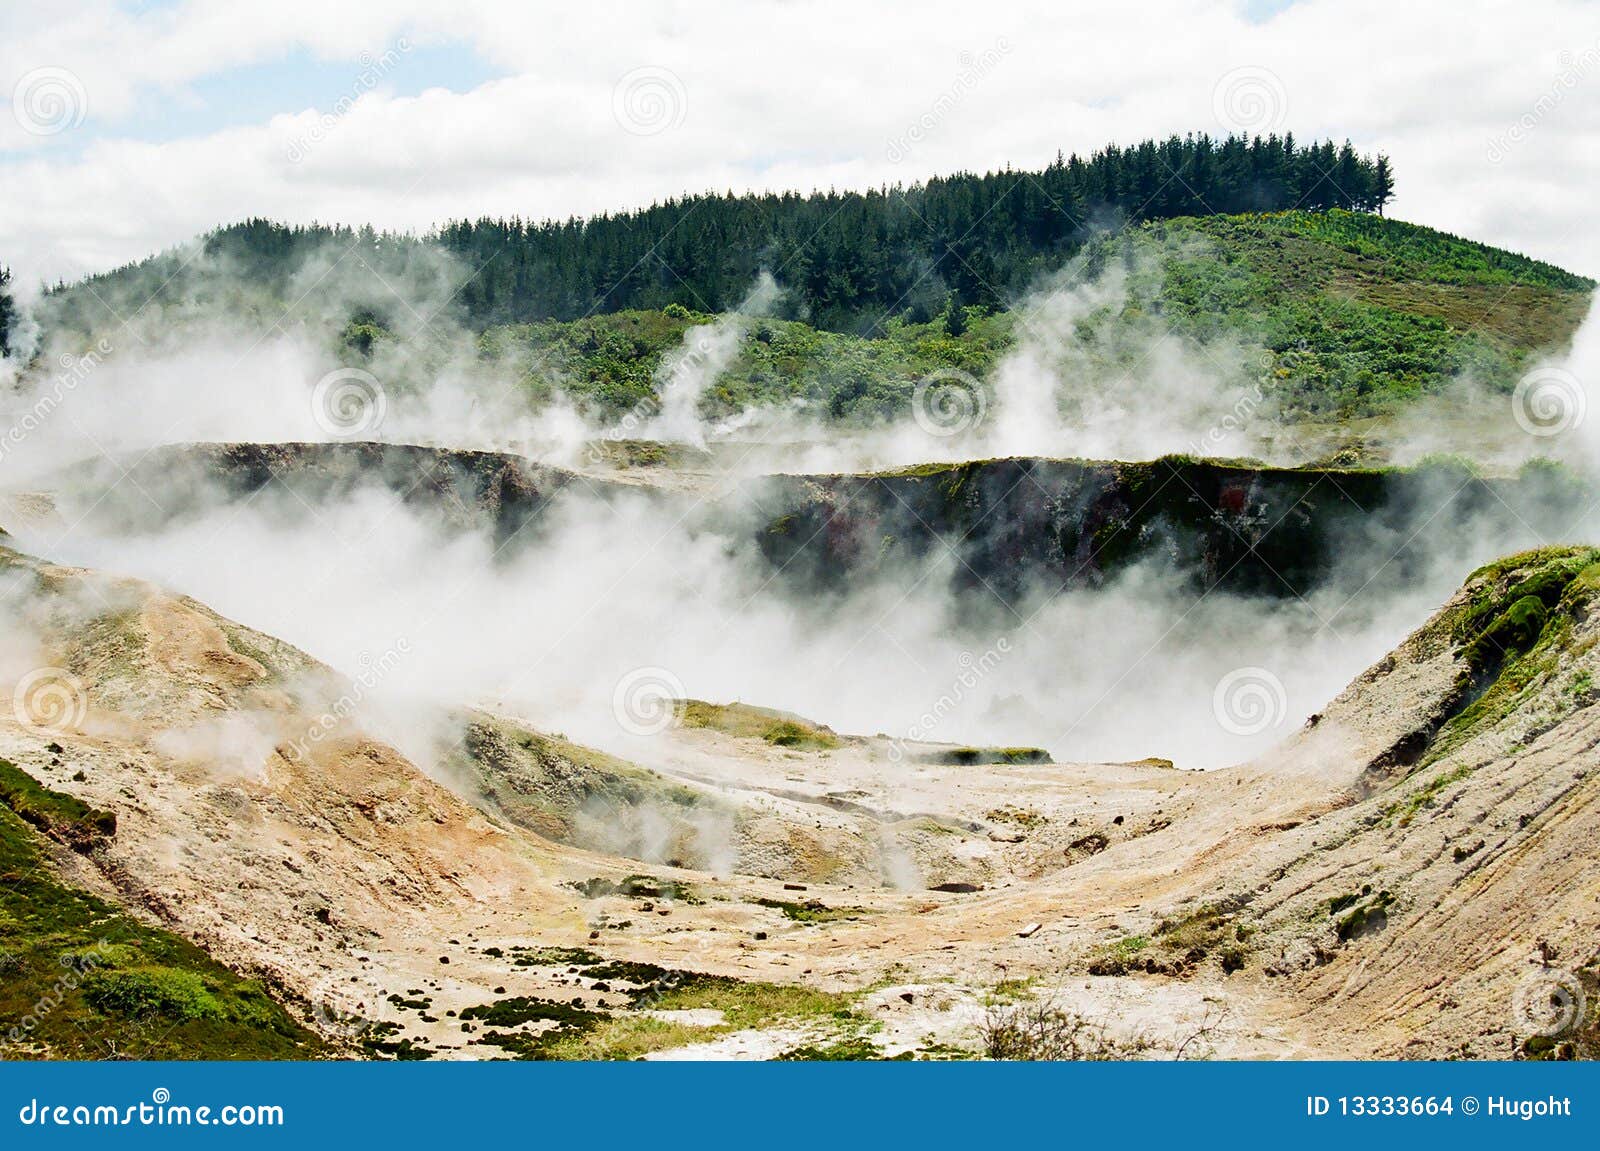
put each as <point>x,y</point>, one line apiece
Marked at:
<point>849,259</point>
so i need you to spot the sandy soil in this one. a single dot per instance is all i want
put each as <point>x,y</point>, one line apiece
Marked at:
<point>344,875</point>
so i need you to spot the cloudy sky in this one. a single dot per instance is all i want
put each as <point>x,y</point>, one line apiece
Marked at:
<point>134,126</point>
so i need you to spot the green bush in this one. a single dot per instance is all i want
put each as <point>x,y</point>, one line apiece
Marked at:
<point>151,992</point>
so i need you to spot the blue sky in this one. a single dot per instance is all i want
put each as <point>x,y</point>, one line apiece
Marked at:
<point>291,82</point>
<point>288,81</point>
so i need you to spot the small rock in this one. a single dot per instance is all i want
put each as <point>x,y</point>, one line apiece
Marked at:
<point>1029,930</point>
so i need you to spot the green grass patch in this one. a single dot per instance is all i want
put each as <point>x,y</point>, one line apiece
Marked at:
<point>852,1049</point>
<point>637,886</point>
<point>1513,634</point>
<point>85,980</point>
<point>1369,913</point>
<point>53,812</point>
<point>812,910</point>
<point>1212,930</point>
<point>745,721</point>
<point>152,993</point>
<point>1423,797</point>
<point>581,1033</point>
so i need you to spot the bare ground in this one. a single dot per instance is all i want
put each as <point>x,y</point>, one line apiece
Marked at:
<point>1162,904</point>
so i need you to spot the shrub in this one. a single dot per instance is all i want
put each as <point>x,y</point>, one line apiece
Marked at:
<point>1040,1031</point>
<point>150,992</point>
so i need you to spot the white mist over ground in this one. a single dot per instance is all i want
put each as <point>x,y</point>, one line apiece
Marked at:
<point>1553,413</point>
<point>1070,386</point>
<point>706,352</point>
<point>549,631</point>
<point>220,388</point>
<point>1120,672</point>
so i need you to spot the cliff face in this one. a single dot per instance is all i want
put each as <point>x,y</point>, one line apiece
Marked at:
<point>1004,526</point>
<point>469,490</point>
<point>1055,523</point>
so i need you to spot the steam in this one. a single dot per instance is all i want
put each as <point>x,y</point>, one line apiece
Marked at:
<point>236,746</point>
<point>620,582</point>
<point>706,352</point>
<point>1092,373</point>
<point>613,584</point>
<point>1581,369</point>
<point>1131,390</point>
<point>1552,413</point>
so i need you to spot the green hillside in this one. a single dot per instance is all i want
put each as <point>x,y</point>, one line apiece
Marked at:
<point>1335,313</point>
<point>81,979</point>
<point>1352,315</point>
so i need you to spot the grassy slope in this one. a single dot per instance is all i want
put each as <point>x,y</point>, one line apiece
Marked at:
<point>745,721</point>
<point>1352,315</point>
<point>1359,312</point>
<point>1356,314</point>
<point>1514,634</point>
<point>80,979</point>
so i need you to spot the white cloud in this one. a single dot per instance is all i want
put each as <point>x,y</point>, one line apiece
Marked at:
<point>786,95</point>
